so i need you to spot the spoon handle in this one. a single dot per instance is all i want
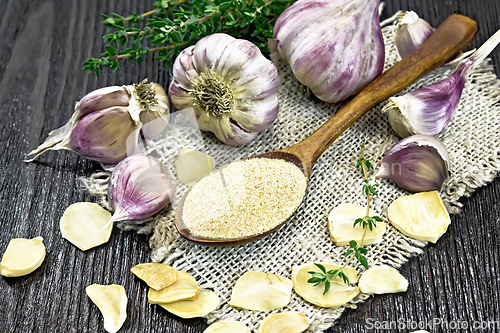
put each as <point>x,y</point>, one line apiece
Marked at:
<point>451,37</point>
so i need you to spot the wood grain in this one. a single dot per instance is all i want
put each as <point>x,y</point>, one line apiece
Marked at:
<point>43,45</point>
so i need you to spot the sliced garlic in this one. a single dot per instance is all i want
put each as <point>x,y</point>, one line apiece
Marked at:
<point>203,304</point>
<point>22,256</point>
<point>112,302</point>
<point>227,326</point>
<point>286,322</point>
<point>185,287</point>
<point>382,280</point>
<point>192,165</point>
<point>260,291</point>
<point>339,292</point>
<point>86,225</point>
<point>156,275</point>
<point>421,216</point>
<point>341,221</point>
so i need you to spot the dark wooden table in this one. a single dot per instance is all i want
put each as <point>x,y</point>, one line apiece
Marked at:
<point>43,45</point>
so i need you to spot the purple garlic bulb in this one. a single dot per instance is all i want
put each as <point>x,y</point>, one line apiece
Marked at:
<point>418,163</point>
<point>334,47</point>
<point>139,188</point>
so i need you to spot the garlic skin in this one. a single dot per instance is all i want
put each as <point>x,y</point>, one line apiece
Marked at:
<point>412,32</point>
<point>418,163</point>
<point>139,188</point>
<point>428,110</point>
<point>229,84</point>
<point>334,47</point>
<point>106,122</point>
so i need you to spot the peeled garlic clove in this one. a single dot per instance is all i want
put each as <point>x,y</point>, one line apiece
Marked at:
<point>192,165</point>
<point>285,322</point>
<point>139,188</point>
<point>341,221</point>
<point>227,326</point>
<point>112,302</point>
<point>156,275</point>
<point>412,32</point>
<point>382,280</point>
<point>22,256</point>
<point>229,84</point>
<point>206,302</point>
<point>339,292</point>
<point>335,48</point>
<point>421,216</point>
<point>185,287</point>
<point>86,225</point>
<point>260,291</point>
<point>417,163</point>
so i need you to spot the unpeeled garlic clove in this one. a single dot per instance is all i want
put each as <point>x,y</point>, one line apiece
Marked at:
<point>412,31</point>
<point>382,279</point>
<point>139,188</point>
<point>417,163</point>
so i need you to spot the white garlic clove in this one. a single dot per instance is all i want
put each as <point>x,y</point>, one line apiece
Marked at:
<point>22,256</point>
<point>339,292</point>
<point>227,326</point>
<point>382,279</point>
<point>86,225</point>
<point>421,216</point>
<point>285,322</point>
<point>341,221</point>
<point>185,287</point>
<point>260,291</point>
<point>206,302</point>
<point>412,32</point>
<point>156,275</point>
<point>192,165</point>
<point>112,302</point>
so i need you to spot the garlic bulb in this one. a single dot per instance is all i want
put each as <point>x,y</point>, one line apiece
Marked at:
<point>139,188</point>
<point>417,163</point>
<point>335,48</point>
<point>428,110</point>
<point>412,32</point>
<point>106,122</point>
<point>229,84</point>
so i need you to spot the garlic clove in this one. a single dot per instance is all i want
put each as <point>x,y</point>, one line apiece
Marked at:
<point>206,302</point>
<point>382,279</point>
<point>338,294</point>
<point>185,287</point>
<point>412,31</point>
<point>260,291</point>
<point>139,188</point>
<point>227,326</point>
<point>86,225</point>
<point>417,163</point>
<point>421,216</point>
<point>192,165</point>
<point>101,99</point>
<point>156,275</point>
<point>325,44</point>
<point>22,256</point>
<point>341,221</point>
<point>112,302</point>
<point>285,322</point>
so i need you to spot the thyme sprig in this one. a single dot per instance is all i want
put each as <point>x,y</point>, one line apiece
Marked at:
<point>355,251</point>
<point>176,24</point>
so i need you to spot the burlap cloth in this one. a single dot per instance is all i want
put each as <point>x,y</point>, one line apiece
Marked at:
<point>471,138</point>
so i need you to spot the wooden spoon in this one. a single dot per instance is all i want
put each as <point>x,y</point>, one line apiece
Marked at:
<point>450,38</point>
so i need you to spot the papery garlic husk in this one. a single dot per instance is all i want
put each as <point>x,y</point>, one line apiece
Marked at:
<point>412,31</point>
<point>231,87</point>
<point>139,188</point>
<point>335,48</point>
<point>428,110</point>
<point>106,123</point>
<point>417,163</point>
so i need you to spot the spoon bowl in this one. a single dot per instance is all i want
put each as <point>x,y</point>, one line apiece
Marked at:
<point>449,39</point>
